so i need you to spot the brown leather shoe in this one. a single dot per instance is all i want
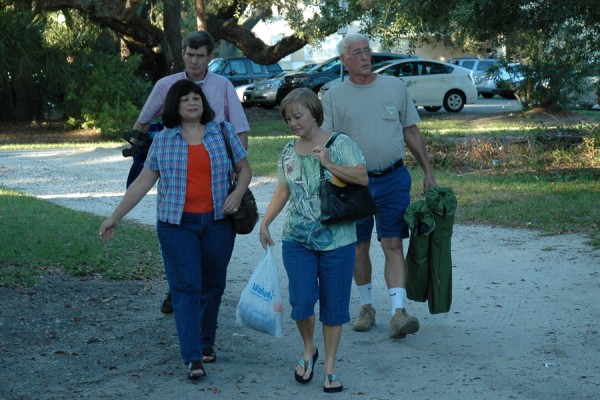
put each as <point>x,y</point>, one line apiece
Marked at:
<point>365,319</point>
<point>403,324</point>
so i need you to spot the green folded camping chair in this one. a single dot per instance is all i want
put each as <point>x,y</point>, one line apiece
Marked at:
<point>442,202</point>
<point>421,223</point>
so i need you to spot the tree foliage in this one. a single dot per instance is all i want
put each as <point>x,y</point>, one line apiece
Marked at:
<point>108,95</point>
<point>28,65</point>
<point>556,42</point>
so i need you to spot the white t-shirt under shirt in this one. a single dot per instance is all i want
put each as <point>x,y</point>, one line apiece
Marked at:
<point>374,115</point>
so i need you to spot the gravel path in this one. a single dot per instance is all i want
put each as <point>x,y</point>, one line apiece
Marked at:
<point>524,323</point>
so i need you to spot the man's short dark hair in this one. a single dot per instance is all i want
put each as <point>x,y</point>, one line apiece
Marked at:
<point>197,39</point>
<point>170,115</point>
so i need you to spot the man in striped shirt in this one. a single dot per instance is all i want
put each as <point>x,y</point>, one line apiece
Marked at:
<point>197,52</point>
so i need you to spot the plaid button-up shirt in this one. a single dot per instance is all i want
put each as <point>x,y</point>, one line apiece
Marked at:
<point>168,156</point>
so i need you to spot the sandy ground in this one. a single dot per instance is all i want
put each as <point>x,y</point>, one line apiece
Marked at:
<point>524,323</point>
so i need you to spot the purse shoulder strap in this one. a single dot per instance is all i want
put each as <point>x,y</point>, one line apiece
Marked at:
<point>332,139</point>
<point>327,145</point>
<point>227,143</point>
<point>229,151</point>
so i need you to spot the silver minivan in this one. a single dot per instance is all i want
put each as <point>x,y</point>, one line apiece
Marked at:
<point>480,67</point>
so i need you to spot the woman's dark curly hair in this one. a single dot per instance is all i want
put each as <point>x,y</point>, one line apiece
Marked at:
<point>170,115</point>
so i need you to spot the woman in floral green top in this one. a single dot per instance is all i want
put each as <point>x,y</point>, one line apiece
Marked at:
<point>319,259</point>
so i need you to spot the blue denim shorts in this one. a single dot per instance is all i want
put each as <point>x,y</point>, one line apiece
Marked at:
<point>391,193</point>
<point>324,276</point>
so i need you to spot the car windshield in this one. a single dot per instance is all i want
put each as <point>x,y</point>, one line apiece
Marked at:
<point>512,72</point>
<point>216,65</point>
<point>306,67</point>
<point>485,65</point>
<point>381,64</point>
<point>332,65</point>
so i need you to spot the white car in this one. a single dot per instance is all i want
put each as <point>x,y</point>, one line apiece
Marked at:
<point>240,92</point>
<point>432,84</point>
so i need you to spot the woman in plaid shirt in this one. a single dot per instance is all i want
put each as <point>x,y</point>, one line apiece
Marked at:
<point>196,235</point>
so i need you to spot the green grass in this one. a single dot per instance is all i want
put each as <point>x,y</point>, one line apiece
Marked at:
<point>548,204</point>
<point>264,153</point>
<point>38,236</point>
<point>518,124</point>
<point>553,190</point>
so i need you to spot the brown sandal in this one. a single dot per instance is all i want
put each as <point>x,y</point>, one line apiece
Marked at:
<point>209,355</point>
<point>196,370</point>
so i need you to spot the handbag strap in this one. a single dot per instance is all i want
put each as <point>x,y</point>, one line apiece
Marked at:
<point>327,145</point>
<point>227,146</point>
<point>332,139</point>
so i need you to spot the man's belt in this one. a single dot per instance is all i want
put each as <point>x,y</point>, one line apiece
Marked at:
<point>385,171</point>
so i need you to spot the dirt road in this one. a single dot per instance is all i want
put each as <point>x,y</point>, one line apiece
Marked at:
<point>524,323</point>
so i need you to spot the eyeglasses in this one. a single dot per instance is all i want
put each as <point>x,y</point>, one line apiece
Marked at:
<point>359,52</point>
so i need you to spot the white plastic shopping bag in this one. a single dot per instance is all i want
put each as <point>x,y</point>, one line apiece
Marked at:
<point>260,306</point>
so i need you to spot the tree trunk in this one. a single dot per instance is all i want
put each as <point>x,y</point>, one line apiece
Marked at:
<point>123,17</point>
<point>200,15</point>
<point>172,22</point>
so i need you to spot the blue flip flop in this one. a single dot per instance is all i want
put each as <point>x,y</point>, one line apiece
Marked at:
<point>311,364</point>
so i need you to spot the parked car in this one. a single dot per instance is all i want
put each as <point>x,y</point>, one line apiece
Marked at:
<point>264,93</point>
<point>325,72</point>
<point>242,70</point>
<point>510,78</point>
<point>432,84</point>
<point>240,90</point>
<point>481,73</point>
<point>505,80</point>
<point>593,92</point>
<point>589,97</point>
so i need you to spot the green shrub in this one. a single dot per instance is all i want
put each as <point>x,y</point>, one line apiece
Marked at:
<point>108,96</point>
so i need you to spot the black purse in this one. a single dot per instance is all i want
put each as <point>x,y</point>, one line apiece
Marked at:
<point>246,216</point>
<point>345,204</point>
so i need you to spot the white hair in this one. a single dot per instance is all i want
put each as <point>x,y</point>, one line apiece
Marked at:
<point>350,40</point>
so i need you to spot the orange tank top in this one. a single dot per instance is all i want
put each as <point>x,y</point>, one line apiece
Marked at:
<point>198,193</point>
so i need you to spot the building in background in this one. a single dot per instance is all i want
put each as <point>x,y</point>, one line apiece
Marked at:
<point>273,32</point>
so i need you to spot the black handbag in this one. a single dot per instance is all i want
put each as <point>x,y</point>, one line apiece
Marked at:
<point>246,217</point>
<point>345,204</point>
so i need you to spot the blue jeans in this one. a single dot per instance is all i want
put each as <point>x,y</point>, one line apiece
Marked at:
<point>325,276</point>
<point>196,255</point>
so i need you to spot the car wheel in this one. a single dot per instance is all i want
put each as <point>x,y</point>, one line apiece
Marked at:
<point>454,101</point>
<point>487,95</point>
<point>432,108</point>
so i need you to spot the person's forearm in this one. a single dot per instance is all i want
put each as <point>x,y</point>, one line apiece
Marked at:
<point>132,197</point>
<point>138,126</point>
<point>244,176</point>
<point>416,145</point>
<point>135,193</point>
<point>356,175</point>
<point>277,203</point>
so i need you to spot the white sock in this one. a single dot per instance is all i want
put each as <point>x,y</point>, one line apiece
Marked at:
<point>365,294</point>
<point>397,296</point>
